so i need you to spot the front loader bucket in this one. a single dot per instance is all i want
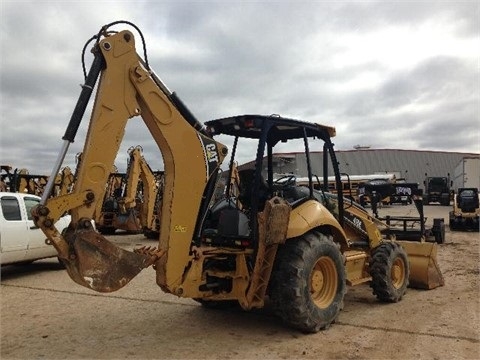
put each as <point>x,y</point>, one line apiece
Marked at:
<point>96,263</point>
<point>424,270</point>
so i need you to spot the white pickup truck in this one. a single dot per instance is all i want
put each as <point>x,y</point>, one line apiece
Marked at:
<point>20,240</point>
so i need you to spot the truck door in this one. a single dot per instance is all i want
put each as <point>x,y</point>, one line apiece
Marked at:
<point>13,239</point>
<point>36,247</point>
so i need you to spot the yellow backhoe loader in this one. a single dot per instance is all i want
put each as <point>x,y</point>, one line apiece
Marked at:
<point>106,210</point>
<point>129,201</point>
<point>465,214</point>
<point>296,246</point>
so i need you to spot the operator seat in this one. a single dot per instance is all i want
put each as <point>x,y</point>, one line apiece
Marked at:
<point>247,178</point>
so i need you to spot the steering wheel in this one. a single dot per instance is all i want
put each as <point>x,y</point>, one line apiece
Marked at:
<point>285,181</point>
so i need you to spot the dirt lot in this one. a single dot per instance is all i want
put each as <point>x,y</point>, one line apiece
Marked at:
<point>44,315</point>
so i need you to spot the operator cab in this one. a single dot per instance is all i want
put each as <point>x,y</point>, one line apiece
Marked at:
<point>467,199</point>
<point>255,183</point>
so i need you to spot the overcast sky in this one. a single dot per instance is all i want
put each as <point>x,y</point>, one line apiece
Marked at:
<point>397,75</point>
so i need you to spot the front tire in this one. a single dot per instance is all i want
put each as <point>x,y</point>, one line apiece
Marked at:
<point>308,282</point>
<point>389,270</point>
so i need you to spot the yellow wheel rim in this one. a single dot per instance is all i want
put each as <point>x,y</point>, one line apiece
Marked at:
<point>398,273</point>
<point>323,282</point>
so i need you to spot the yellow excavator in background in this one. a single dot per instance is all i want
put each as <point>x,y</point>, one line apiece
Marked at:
<point>129,201</point>
<point>296,246</point>
<point>106,209</point>
<point>23,182</point>
<point>64,181</point>
<point>148,183</point>
<point>20,180</point>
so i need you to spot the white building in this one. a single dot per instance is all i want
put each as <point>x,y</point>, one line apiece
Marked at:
<point>412,165</point>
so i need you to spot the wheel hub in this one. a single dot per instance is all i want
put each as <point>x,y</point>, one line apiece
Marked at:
<point>398,273</point>
<point>323,282</point>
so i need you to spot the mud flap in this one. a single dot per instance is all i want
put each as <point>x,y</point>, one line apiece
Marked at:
<point>424,269</point>
<point>96,263</point>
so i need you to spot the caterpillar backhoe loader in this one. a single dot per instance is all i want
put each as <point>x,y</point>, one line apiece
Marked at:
<point>466,210</point>
<point>296,247</point>
<point>130,199</point>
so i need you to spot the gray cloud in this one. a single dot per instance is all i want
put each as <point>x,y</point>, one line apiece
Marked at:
<point>393,75</point>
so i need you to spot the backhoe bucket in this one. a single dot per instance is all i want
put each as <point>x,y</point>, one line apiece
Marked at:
<point>128,222</point>
<point>100,265</point>
<point>424,270</point>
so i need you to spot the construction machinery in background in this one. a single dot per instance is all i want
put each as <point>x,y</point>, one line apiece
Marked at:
<point>466,210</point>
<point>106,210</point>
<point>437,190</point>
<point>130,198</point>
<point>294,246</point>
<point>5,175</point>
<point>64,181</point>
<point>21,181</point>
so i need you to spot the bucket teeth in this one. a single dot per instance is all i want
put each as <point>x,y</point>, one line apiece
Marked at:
<point>152,254</point>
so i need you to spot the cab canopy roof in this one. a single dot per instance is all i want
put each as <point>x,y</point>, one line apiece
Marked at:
<point>280,128</point>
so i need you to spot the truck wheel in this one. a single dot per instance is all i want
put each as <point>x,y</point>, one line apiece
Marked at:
<point>389,270</point>
<point>308,282</point>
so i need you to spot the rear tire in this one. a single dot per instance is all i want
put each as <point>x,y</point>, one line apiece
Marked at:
<point>389,270</point>
<point>308,283</point>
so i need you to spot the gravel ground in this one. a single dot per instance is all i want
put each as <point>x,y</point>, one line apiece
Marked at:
<point>44,315</point>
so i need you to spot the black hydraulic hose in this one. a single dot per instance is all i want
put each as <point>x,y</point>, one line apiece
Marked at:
<point>187,114</point>
<point>87,89</point>
<point>83,55</point>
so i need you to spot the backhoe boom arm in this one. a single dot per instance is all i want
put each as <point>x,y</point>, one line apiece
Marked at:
<point>127,89</point>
